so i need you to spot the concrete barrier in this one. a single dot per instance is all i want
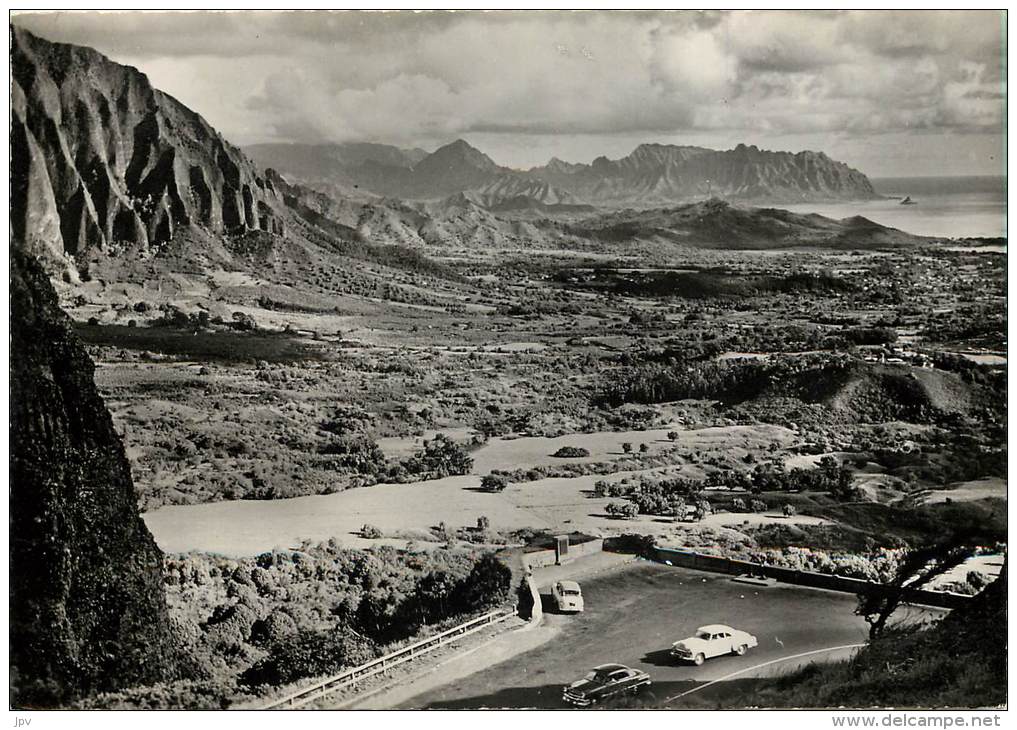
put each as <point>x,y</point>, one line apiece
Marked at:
<point>544,558</point>
<point>730,566</point>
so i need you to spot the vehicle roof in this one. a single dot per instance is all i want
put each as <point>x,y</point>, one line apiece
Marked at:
<point>610,667</point>
<point>568,584</point>
<point>714,628</point>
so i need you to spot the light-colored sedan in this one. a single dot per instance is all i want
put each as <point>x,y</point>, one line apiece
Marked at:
<point>568,596</point>
<point>713,640</point>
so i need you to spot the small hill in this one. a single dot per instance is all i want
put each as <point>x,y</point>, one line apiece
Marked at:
<point>718,224</point>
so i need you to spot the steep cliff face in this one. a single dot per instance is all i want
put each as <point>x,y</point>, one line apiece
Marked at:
<point>88,610</point>
<point>100,157</point>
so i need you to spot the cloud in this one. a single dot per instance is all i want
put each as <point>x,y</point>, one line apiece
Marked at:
<point>425,77</point>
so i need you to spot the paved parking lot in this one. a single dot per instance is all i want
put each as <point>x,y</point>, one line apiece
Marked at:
<point>636,612</point>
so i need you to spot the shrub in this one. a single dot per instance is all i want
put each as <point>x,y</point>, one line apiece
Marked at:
<point>244,322</point>
<point>738,504</point>
<point>483,523</point>
<point>977,580</point>
<point>789,510</point>
<point>309,654</point>
<point>357,454</point>
<point>370,532</point>
<point>643,448</point>
<point>627,447</point>
<point>757,505</point>
<point>571,452</point>
<point>493,482</point>
<point>624,510</point>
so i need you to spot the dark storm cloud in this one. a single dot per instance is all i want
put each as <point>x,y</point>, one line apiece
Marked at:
<point>414,77</point>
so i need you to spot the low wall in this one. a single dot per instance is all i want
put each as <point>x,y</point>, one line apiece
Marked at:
<point>544,558</point>
<point>537,612</point>
<point>540,558</point>
<point>730,566</point>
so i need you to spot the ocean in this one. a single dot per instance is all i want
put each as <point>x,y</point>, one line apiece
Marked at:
<point>951,207</point>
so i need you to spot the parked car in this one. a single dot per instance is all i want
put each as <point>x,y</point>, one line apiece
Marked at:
<point>568,596</point>
<point>713,640</point>
<point>605,681</point>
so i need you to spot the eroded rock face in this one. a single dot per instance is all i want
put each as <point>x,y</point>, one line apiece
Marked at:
<point>98,157</point>
<point>88,610</point>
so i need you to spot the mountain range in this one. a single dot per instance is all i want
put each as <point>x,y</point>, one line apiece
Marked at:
<point>105,168</point>
<point>653,174</point>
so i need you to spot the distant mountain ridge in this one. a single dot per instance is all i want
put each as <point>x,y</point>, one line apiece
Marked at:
<point>657,174</point>
<point>652,175</point>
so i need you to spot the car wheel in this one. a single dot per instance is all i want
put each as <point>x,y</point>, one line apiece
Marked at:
<point>698,661</point>
<point>741,649</point>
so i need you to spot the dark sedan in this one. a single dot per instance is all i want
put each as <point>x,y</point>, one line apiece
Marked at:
<point>605,681</point>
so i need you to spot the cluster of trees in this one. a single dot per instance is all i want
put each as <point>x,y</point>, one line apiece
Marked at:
<point>879,566</point>
<point>828,475</point>
<point>439,457</point>
<point>680,497</point>
<point>285,615</point>
<point>731,381</point>
<point>175,317</point>
<point>676,497</point>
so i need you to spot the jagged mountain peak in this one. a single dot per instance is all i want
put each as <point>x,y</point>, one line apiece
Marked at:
<point>460,151</point>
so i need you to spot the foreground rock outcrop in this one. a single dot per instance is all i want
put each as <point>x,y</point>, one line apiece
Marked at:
<point>99,157</point>
<point>88,610</point>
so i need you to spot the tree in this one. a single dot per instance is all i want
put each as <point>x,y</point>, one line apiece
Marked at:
<point>483,523</point>
<point>916,569</point>
<point>677,508</point>
<point>487,585</point>
<point>672,435</point>
<point>370,532</point>
<point>703,509</point>
<point>738,505</point>
<point>643,448</point>
<point>758,505</point>
<point>627,447</point>
<point>493,482</point>
<point>789,510</point>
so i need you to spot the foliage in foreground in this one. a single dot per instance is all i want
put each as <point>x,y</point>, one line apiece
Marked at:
<point>254,622</point>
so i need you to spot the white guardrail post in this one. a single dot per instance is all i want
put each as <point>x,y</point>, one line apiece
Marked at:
<point>382,664</point>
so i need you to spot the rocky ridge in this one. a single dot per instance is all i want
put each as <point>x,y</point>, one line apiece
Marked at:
<point>100,158</point>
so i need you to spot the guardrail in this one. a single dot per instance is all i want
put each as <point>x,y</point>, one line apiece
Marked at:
<point>382,664</point>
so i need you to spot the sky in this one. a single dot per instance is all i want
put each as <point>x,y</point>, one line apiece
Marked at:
<point>892,93</point>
